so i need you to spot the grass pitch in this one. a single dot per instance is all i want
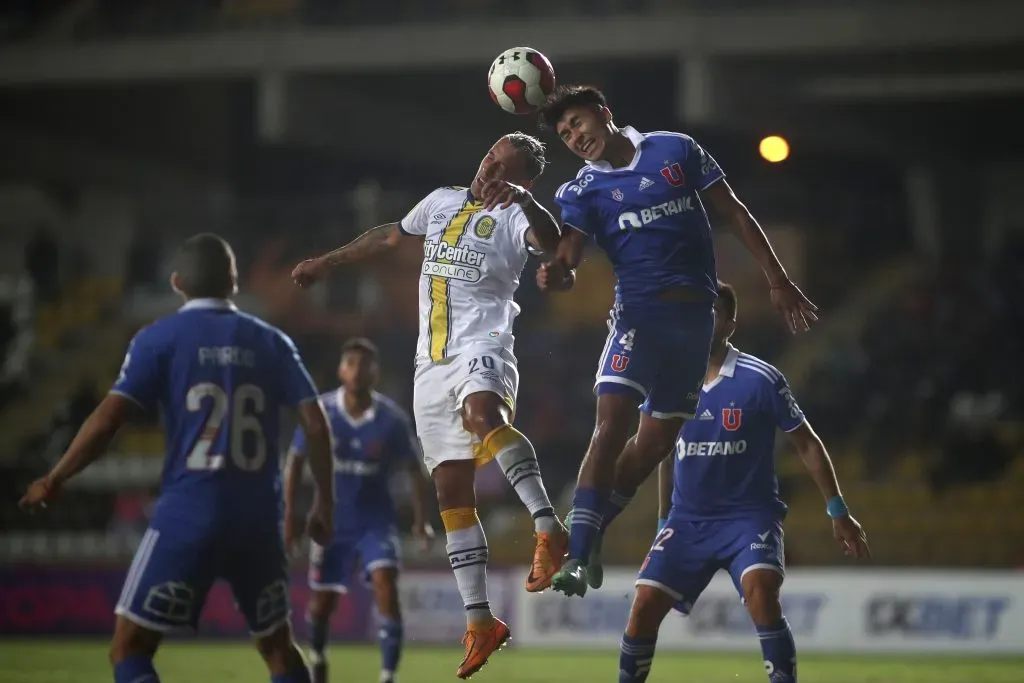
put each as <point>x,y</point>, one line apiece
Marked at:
<point>60,661</point>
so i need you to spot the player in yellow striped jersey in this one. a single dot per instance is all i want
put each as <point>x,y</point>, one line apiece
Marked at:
<point>476,241</point>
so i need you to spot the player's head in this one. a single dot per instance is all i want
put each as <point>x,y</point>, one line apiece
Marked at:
<point>358,369</point>
<point>516,157</point>
<point>725,314</point>
<point>205,268</point>
<point>580,116</point>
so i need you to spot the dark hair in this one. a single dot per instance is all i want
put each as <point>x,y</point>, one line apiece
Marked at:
<point>361,344</point>
<point>727,296</point>
<point>566,96</point>
<point>532,151</point>
<point>205,266</point>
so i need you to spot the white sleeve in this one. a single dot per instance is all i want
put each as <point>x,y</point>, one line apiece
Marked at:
<point>416,221</point>
<point>520,225</point>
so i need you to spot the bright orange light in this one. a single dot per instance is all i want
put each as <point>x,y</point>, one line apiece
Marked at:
<point>774,149</point>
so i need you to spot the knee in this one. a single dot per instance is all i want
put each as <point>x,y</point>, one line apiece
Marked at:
<point>279,651</point>
<point>321,604</point>
<point>763,602</point>
<point>132,640</point>
<point>482,416</point>
<point>454,482</point>
<point>385,590</point>
<point>650,606</point>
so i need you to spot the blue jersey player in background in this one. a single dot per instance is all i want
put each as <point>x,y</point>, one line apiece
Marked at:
<point>372,439</point>
<point>219,378</point>
<point>640,197</point>
<point>726,512</point>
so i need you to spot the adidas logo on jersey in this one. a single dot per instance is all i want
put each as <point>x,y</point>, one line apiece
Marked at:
<point>706,415</point>
<point>645,183</point>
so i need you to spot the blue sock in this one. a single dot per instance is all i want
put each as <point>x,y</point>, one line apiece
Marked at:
<point>586,522</point>
<point>635,657</point>
<point>135,669</point>
<point>779,652</point>
<point>317,637</point>
<point>617,502</point>
<point>300,676</point>
<point>390,646</point>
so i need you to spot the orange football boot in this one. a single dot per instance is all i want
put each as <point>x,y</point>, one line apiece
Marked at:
<point>481,641</point>
<point>547,559</point>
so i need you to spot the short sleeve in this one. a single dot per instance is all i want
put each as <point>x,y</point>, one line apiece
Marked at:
<point>140,376</point>
<point>296,384</point>
<point>418,218</point>
<point>701,165</point>
<point>298,444</point>
<point>785,410</point>
<point>574,206</point>
<point>403,446</point>
<point>520,225</point>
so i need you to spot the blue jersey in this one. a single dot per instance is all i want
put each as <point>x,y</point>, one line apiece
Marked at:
<point>220,378</point>
<point>366,450</point>
<point>725,456</point>
<point>647,216</point>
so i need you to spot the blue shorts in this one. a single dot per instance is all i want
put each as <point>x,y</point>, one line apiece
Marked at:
<point>685,555</point>
<point>331,568</point>
<point>170,576</point>
<point>659,353</point>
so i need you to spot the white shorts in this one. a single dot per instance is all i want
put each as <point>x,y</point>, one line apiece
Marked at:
<point>439,391</point>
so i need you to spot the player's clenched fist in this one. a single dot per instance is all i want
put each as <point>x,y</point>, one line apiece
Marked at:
<point>555,276</point>
<point>309,272</point>
<point>503,194</point>
<point>39,492</point>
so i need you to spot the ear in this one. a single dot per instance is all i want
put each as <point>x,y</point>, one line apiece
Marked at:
<point>528,183</point>
<point>176,283</point>
<point>605,115</point>
<point>730,329</point>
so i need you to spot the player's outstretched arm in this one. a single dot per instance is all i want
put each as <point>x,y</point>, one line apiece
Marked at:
<point>846,529</point>
<point>559,272</point>
<point>787,298</point>
<point>92,441</point>
<point>321,464</point>
<point>373,242</point>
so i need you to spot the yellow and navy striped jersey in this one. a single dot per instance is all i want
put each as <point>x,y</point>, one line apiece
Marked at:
<point>472,261</point>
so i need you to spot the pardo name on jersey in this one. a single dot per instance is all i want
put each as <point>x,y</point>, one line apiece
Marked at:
<point>455,262</point>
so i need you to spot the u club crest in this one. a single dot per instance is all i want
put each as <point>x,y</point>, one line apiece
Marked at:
<point>732,418</point>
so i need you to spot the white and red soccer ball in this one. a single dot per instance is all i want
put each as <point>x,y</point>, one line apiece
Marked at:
<point>520,80</point>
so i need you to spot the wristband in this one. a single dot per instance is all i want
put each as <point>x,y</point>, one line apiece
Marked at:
<point>836,507</point>
<point>661,524</point>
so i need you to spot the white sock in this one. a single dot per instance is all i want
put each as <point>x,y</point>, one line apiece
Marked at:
<point>518,460</point>
<point>467,553</point>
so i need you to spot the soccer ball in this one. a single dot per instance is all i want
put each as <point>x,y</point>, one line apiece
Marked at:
<point>520,80</point>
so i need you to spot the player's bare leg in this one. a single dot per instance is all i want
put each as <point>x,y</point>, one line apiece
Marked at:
<point>487,416</point>
<point>613,424</point>
<point>282,656</point>
<point>132,651</point>
<point>318,615</point>
<point>385,595</point>
<point>761,593</point>
<point>467,553</point>
<point>650,607</point>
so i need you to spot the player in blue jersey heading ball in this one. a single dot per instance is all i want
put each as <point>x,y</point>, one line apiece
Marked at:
<point>373,439</point>
<point>640,197</point>
<point>726,512</point>
<point>220,379</point>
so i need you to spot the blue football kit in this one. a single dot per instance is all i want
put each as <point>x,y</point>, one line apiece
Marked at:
<point>726,512</point>
<point>367,450</point>
<point>649,220</point>
<point>220,378</point>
